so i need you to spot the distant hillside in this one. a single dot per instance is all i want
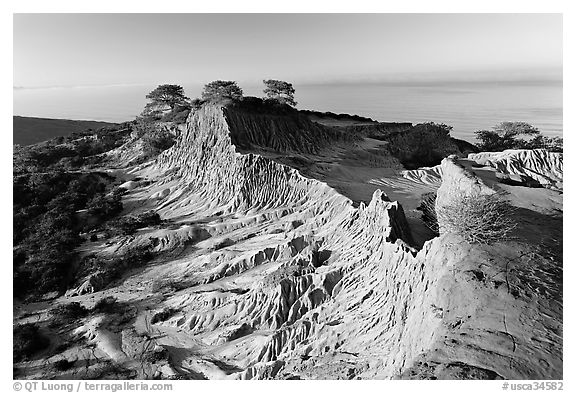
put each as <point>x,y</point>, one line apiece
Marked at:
<point>29,130</point>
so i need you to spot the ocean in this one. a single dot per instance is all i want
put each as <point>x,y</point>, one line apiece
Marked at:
<point>466,107</point>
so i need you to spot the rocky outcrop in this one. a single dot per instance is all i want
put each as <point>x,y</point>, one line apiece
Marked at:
<point>541,166</point>
<point>425,175</point>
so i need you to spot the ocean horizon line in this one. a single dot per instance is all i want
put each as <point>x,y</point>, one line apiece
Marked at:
<point>343,82</point>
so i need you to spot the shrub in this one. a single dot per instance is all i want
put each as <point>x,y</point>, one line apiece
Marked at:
<point>27,341</point>
<point>128,225</point>
<point>425,144</point>
<point>340,116</point>
<point>196,103</point>
<point>163,315</point>
<point>132,258</point>
<point>159,354</point>
<point>428,208</point>
<point>516,135</point>
<point>149,218</point>
<point>484,219</point>
<point>104,206</point>
<point>63,364</point>
<point>159,138</point>
<point>73,310</point>
<point>106,305</point>
<point>177,117</point>
<point>553,144</point>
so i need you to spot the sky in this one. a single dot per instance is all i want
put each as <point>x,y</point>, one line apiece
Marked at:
<point>67,50</point>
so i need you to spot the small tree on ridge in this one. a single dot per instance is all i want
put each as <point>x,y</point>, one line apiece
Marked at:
<point>170,95</point>
<point>219,90</point>
<point>514,135</point>
<point>280,91</point>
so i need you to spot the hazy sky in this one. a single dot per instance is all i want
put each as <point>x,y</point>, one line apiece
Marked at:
<point>104,49</point>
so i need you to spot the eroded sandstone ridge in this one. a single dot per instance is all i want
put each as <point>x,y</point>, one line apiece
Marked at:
<point>271,267</point>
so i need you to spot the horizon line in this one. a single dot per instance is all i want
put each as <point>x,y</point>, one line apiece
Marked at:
<point>360,81</point>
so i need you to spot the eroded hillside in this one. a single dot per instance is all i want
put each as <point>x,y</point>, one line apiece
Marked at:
<point>292,249</point>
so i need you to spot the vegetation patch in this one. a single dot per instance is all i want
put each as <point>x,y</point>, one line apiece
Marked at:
<point>28,340</point>
<point>516,135</point>
<point>484,219</point>
<point>104,271</point>
<point>107,305</point>
<point>163,315</point>
<point>423,145</point>
<point>66,314</point>
<point>428,208</point>
<point>51,210</point>
<point>127,225</point>
<point>339,116</point>
<point>63,364</point>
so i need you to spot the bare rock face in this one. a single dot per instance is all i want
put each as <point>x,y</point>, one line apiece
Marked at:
<point>268,274</point>
<point>279,132</point>
<point>426,175</point>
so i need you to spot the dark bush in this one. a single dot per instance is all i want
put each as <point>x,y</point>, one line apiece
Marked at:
<point>73,310</point>
<point>553,144</point>
<point>106,305</point>
<point>163,315</point>
<point>47,227</point>
<point>44,271</point>
<point>28,340</point>
<point>128,225</point>
<point>424,144</point>
<point>48,204</point>
<point>516,135</point>
<point>157,355</point>
<point>177,116</point>
<point>63,364</point>
<point>161,139</point>
<point>428,208</point>
<point>263,106</point>
<point>340,116</point>
<point>132,258</point>
<point>197,103</point>
<point>105,206</point>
